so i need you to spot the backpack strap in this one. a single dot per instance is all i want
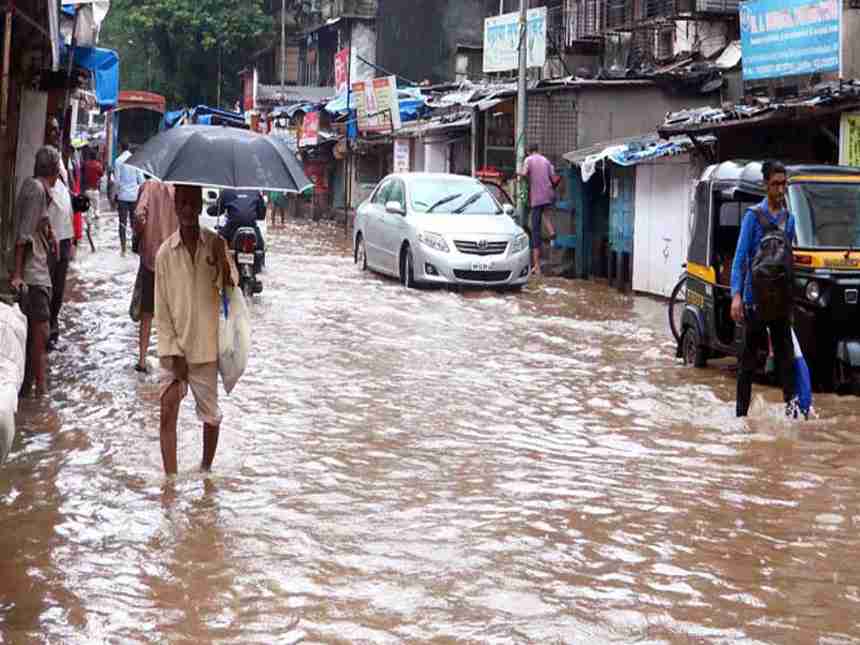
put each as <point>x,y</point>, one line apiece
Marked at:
<point>766,224</point>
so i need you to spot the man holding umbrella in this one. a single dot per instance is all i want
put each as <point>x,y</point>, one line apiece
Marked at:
<point>193,265</point>
<point>191,268</point>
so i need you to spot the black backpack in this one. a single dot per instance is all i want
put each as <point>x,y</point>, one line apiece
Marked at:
<point>772,271</point>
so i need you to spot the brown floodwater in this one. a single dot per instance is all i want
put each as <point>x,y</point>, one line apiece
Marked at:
<point>424,466</point>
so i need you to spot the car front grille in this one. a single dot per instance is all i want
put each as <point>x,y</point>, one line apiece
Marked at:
<point>482,276</point>
<point>472,248</point>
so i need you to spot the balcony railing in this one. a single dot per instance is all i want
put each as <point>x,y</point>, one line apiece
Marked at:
<point>584,20</point>
<point>333,9</point>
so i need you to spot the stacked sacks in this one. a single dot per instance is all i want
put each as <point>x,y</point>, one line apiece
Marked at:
<point>13,340</point>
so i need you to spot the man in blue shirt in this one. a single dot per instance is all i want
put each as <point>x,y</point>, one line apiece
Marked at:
<point>244,208</point>
<point>128,184</point>
<point>743,306</point>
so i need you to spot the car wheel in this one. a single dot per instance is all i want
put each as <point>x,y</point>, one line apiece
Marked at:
<point>407,269</point>
<point>694,352</point>
<point>360,253</point>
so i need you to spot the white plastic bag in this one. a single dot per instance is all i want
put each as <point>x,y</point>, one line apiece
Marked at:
<point>13,347</point>
<point>234,337</point>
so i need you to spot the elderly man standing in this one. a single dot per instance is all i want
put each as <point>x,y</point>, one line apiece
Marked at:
<point>155,221</point>
<point>34,246</point>
<point>191,268</point>
<point>60,213</point>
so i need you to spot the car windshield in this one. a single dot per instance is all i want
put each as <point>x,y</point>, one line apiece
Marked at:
<point>827,215</point>
<point>462,197</point>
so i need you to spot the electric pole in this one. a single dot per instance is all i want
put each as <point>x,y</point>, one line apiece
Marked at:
<point>522,106</point>
<point>283,44</point>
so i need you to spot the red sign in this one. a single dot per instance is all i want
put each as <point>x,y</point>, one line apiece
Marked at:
<point>247,91</point>
<point>341,70</point>
<point>310,130</point>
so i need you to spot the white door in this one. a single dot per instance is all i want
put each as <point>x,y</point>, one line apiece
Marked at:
<point>436,157</point>
<point>662,212</point>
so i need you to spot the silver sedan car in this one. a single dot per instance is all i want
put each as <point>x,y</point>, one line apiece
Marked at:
<point>431,228</point>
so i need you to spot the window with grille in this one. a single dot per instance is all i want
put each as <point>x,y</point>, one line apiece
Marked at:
<point>665,44</point>
<point>584,20</point>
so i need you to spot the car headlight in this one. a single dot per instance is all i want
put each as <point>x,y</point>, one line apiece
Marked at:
<point>433,240</point>
<point>521,242</point>
<point>813,291</point>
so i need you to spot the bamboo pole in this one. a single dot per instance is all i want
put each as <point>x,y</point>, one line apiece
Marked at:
<point>7,59</point>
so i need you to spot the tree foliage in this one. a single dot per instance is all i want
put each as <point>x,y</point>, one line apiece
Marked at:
<point>184,49</point>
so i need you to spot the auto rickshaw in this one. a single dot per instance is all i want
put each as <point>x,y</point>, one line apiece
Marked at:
<point>825,202</point>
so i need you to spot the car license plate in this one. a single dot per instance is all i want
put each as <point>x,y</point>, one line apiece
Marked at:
<point>245,258</point>
<point>482,266</point>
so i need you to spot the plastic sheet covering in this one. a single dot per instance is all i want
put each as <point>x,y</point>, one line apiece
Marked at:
<point>13,340</point>
<point>103,64</point>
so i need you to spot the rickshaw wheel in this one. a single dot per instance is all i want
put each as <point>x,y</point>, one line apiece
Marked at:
<point>677,302</point>
<point>694,353</point>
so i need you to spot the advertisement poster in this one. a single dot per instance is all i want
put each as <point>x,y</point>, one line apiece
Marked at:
<point>789,37</point>
<point>377,105</point>
<point>341,71</point>
<point>310,130</point>
<point>402,153</point>
<point>501,41</point>
<point>849,149</point>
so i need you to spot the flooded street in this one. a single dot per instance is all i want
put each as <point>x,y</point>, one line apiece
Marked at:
<point>423,466</point>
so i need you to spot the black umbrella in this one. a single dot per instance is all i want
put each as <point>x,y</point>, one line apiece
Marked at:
<point>221,157</point>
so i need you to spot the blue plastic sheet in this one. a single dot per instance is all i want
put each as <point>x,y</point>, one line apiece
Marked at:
<point>103,64</point>
<point>412,104</point>
<point>171,119</point>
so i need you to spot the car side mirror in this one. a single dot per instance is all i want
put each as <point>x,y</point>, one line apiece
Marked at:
<point>508,209</point>
<point>394,207</point>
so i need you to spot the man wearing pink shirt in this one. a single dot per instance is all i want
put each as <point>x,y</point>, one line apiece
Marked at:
<point>541,177</point>
<point>156,220</point>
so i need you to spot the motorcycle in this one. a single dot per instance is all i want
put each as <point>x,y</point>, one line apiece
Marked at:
<point>249,260</point>
<point>248,253</point>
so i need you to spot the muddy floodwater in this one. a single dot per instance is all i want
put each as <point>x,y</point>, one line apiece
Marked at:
<point>423,466</point>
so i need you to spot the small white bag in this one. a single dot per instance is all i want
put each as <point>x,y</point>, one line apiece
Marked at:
<point>234,337</point>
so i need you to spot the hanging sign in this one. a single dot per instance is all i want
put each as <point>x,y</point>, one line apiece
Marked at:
<point>377,105</point>
<point>341,71</point>
<point>849,149</point>
<point>789,37</point>
<point>402,152</point>
<point>310,130</point>
<point>502,39</point>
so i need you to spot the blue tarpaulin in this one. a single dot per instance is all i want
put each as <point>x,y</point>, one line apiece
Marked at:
<point>103,64</point>
<point>204,115</point>
<point>412,104</point>
<point>171,118</point>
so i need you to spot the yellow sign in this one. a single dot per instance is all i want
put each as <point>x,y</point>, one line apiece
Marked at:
<point>850,140</point>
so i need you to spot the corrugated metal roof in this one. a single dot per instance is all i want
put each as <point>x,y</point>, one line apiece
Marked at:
<point>580,155</point>
<point>295,94</point>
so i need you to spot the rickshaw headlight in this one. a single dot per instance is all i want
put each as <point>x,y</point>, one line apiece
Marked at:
<point>813,291</point>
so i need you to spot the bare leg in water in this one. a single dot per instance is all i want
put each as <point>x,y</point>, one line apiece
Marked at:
<point>144,334</point>
<point>210,445</point>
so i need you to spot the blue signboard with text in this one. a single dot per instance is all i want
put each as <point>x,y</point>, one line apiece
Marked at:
<point>789,37</point>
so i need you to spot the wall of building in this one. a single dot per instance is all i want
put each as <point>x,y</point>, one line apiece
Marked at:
<point>551,123</point>
<point>705,37</point>
<point>606,112</point>
<point>418,40</point>
<point>364,46</point>
<point>850,43</point>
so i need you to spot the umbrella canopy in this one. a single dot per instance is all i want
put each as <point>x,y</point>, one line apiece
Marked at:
<point>221,157</point>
